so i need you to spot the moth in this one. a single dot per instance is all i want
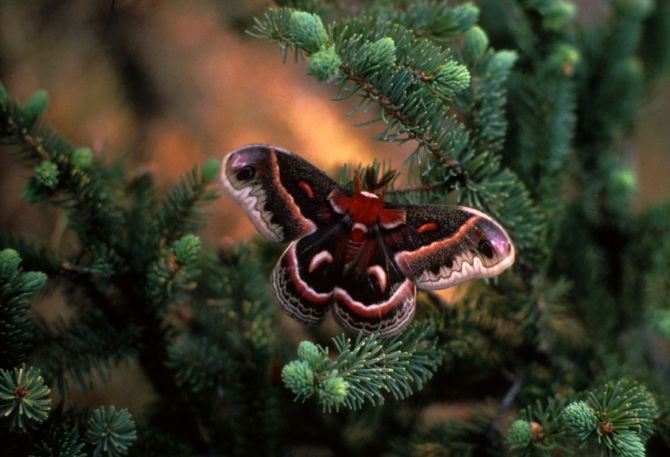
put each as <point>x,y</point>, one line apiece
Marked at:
<point>352,252</point>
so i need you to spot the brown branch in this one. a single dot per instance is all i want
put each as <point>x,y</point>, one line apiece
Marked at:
<point>28,139</point>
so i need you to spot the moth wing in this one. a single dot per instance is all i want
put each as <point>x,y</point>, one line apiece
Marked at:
<point>285,196</point>
<point>373,294</point>
<point>441,246</point>
<point>305,276</point>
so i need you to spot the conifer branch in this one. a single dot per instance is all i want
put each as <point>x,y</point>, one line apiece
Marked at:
<point>16,326</point>
<point>82,351</point>
<point>366,369</point>
<point>67,176</point>
<point>424,95</point>
<point>179,213</point>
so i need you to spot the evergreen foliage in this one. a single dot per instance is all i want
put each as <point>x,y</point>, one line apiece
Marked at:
<point>110,432</point>
<point>514,108</point>
<point>365,369</point>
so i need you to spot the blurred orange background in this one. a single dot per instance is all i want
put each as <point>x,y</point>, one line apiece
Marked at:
<point>163,85</point>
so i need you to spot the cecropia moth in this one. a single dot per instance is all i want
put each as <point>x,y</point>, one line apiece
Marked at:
<point>352,252</point>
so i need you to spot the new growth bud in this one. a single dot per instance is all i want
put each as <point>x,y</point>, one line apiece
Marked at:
<point>475,43</point>
<point>310,353</point>
<point>298,377</point>
<point>307,31</point>
<point>46,174</point>
<point>451,78</point>
<point>580,418</point>
<point>381,52</point>
<point>324,65</point>
<point>519,434</point>
<point>82,157</point>
<point>36,104</point>
<point>334,390</point>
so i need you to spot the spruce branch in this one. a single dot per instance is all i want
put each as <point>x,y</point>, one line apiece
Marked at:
<point>179,212</point>
<point>83,351</point>
<point>58,438</point>
<point>155,442</point>
<point>33,256</point>
<point>16,326</point>
<point>366,369</point>
<point>616,417</point>
<point>438,21</point>
<point>623,407</point>
<point>173,272</point>
<point>24,397</point>
<point>200,365</point>
<point>463,437</point>
<point>453,113</point>
<point>66,176</point>
<point>110,431</point>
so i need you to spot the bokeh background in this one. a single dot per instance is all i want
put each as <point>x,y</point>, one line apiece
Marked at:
<point>160,85</point>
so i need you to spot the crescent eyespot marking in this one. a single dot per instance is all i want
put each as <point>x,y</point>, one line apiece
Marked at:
<point>359,227</point>
<point>379,273</point>
<point>306,188</point>
<point>369,194</point>
<point>318,259</point>
<point>300,284</point>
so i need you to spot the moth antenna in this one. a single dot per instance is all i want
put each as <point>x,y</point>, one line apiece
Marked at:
<point>357,183</point>
<point>388,178</point>
<point>370,178</point>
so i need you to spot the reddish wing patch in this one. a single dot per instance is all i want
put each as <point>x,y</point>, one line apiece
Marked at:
<point>306,188</point>
<point>427,227</point>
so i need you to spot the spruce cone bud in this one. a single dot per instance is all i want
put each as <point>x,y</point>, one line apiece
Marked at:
<point>558,14</point>
<point>46,174</point>
<point>298,378</point>
<point>82,157</point>
<point>451,78</point>
<point>466,13</point>
<point>334,390</point>
<point>503,60</point>
<point>381,52</point>
<point>580,418</point>
<point>310,353</point>
<point>36,104</point>
<point>324,65</point>
<point>308,31</point>
<point>210,170</point>
<point>520,434</point>
<point>187,249</point>
<point>564,57</point>
<point>475,43</point>
<point>9,263</point>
